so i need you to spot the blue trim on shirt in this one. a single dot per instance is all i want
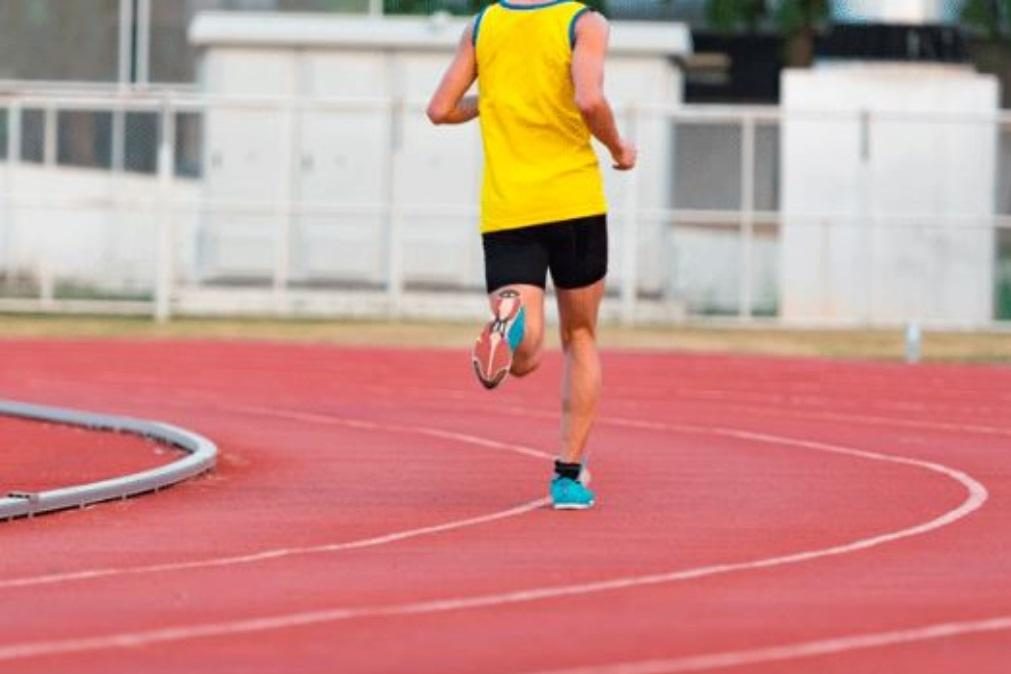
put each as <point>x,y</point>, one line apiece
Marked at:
<point>572,25</point>
<point>552,3</point>
<point>477,25</point>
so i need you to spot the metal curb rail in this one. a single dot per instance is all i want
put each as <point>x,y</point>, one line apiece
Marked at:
<point>201,455</point>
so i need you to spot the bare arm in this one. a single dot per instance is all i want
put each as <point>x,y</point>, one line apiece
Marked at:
<point>588,56</point>
<point>448,104</point>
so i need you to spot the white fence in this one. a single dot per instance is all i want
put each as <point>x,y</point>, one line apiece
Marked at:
<point>171,202</point>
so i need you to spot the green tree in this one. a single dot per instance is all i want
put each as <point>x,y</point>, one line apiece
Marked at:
<point>730,15</point>
<point>788,16</point>
<point>991,48</point>
<point>991,17</point>
<point>796,20</point>
<point>794,16</point>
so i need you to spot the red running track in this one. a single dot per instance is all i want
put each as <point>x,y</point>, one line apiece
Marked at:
<point>376,511</point>
<point>39,456</point>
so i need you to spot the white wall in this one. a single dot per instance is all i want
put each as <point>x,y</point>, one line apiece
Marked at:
<point>90,227</point>
<point>904,205</point>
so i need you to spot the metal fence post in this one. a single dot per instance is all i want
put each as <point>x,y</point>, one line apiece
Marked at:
<point>125,39</point>
<point>13,133</point>
<point>745,308</point>
<point>49,135</point>
<point>865,208</point>
<point>165,215</point>
<point>47,282</point>
<point>123,70</point>
<point>630,232</point>
<point>118,141</point>
<point>13,162</point>
<point>282,256</point>
<point>142,53</point>
<point>394,237</point>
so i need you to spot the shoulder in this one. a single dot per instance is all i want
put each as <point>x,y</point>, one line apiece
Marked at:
<point>588,20</point>
<point>587,23</point>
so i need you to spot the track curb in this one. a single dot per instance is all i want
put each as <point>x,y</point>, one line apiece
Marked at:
<point>201,455</point>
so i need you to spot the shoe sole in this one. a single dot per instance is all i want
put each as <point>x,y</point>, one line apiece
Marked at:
<point>488,383</point>
<point>573,506</point>
<point>491,357</point>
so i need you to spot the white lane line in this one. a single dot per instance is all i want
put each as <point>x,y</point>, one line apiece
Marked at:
<point>798,414</point>
<point>869,419</point>
<point>909,423</point>
<point>977,495</point>
<point>329,419</point>
<point>783,408</point>
<point>804,649</point>
<point>280,553</point>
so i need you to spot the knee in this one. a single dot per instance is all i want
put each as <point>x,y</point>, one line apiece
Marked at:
<point>578,337</point>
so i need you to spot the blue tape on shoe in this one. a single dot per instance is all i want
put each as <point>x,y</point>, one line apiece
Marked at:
<point>517,329</point>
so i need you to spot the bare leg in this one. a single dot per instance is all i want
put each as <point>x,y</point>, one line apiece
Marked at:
<point>581,380</point>
<point>527,357</point>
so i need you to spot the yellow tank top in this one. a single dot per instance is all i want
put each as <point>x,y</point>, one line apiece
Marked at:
<point>539,164</point>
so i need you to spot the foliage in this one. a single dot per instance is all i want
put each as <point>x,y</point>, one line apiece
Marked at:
<point>789,16</point>
<point>730,15</point>
<point>992,17</point>
<point>794,16</point>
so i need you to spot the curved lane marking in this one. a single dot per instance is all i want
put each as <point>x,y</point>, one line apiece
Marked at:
<point>280,553</point>
<point>804,649</point>
<point>977,496</point>
<point>770,407</point>
<point>868,419</point>
<point>277,553</point>
<point>892,421</point>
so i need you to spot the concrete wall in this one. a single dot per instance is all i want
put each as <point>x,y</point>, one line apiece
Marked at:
<point>903,205</point>
<point>90,228</point>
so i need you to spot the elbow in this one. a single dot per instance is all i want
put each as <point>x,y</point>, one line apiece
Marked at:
<point>437,114</point>
<point>590,104</point>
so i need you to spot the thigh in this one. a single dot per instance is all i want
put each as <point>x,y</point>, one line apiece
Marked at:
<point>514,257</point>
<point>577,254</point>
<point>578,309</point>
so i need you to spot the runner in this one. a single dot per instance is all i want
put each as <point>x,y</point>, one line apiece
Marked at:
<point>540,73</point>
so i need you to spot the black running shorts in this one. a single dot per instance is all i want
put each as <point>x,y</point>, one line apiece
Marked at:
<point>575,251</point>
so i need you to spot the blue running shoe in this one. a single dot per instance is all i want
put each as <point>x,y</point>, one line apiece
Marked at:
<point>569,494</point>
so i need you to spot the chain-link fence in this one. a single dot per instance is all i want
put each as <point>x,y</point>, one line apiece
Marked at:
<point>185,202</point>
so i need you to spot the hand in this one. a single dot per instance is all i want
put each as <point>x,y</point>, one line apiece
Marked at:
<point>625,156</point>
